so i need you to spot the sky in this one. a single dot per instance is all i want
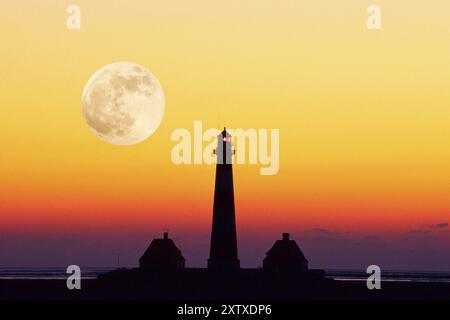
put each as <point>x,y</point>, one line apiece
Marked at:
<point>364,120</point>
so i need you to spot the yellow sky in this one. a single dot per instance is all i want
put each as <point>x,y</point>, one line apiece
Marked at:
<point>364,116</point>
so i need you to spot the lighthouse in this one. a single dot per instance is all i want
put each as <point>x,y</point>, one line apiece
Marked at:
<point>223,254</point>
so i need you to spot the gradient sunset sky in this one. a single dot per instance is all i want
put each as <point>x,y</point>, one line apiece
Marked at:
<point>364,119</point>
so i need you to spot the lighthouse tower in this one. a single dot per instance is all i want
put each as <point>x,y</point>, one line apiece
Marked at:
<point>223,254</point>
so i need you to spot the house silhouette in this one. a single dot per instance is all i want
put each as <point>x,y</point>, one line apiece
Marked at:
<point>285,255</point>
<point>162,254</point>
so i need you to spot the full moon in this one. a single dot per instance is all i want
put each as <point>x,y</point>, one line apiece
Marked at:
<point>123,103</point>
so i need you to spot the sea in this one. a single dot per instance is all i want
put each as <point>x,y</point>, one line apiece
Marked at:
<point>59,273</point>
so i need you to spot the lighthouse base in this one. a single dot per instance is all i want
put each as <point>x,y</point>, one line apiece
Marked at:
<point>223,265</point>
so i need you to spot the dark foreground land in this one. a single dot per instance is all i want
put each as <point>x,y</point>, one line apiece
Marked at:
<point>207,286</point>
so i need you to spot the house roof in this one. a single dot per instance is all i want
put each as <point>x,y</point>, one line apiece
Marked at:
<point>161,250</point>
<point>286,250</point>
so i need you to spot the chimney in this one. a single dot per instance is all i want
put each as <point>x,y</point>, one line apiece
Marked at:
<point>166,235</point>
<point>285,236</point>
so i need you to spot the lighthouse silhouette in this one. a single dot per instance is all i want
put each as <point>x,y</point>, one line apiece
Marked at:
<point>223,254</point>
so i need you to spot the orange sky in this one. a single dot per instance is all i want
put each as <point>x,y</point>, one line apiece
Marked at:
<point>363,115</point>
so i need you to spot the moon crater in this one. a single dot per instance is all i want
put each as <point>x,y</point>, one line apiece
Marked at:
<point>123,103</point>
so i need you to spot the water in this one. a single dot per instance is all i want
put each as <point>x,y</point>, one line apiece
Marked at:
<point>341,275</point>
<point>391,276</point>
<point>56,273</point>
